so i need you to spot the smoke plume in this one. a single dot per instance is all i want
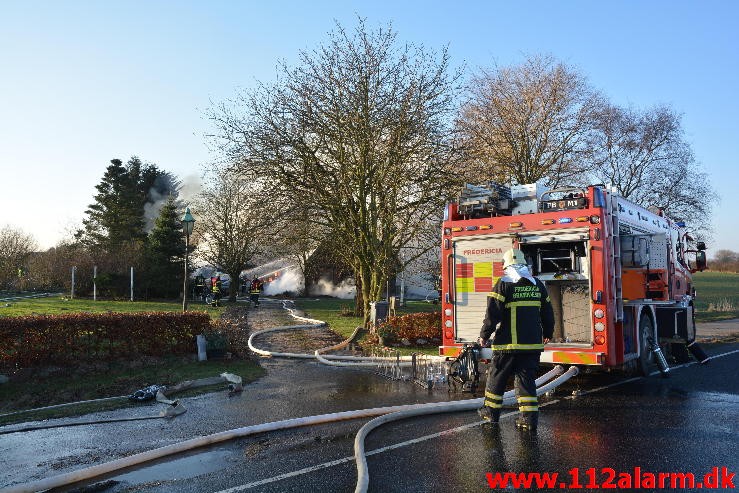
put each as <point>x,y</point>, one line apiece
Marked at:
<point>344,290</point>
<point>289,281</point>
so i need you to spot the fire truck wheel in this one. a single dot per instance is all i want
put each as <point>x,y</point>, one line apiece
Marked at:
<point>647,362</point>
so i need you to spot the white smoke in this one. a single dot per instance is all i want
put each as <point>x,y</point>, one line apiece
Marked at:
<point>190,188</point>
<point>268,268</point>
<point>344,290</point>
<point>152,209</point>
<point>159,194</point>
<point>289,280</point>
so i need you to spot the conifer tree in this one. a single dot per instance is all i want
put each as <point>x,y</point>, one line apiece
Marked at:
<point>166,252</point>
<point>114,217</point>
<point>117,214</point>
<point>114,231</point>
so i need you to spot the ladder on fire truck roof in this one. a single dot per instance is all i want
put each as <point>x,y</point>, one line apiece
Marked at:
<point>615,257</point>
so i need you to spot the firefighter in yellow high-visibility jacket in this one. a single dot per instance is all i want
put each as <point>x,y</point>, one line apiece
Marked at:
<point>256,287</point>
<point>216,290</point>
<point>520,319</point>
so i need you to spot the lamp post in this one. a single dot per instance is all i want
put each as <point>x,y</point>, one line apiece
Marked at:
<point>188,222</point>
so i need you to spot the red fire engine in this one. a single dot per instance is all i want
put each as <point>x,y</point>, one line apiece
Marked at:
<point>618,275</point>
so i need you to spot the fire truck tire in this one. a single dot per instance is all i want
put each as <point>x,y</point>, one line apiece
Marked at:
<point>647,362</point>
<point>678,350</point>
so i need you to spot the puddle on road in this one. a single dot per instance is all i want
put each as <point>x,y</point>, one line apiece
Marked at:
<point>185,467</point>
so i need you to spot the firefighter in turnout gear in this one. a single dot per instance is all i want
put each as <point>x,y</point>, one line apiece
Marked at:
<point>256,287</point>
<point>520,319</point>
<point>216,290</point>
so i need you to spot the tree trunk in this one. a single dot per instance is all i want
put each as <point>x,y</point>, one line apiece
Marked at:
<point>358,298</point>
<point>233,288</point>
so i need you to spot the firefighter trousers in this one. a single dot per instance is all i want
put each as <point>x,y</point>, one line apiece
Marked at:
<point>523,365</point>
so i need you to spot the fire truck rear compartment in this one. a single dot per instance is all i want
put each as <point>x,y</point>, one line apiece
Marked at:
<point>571,305</point>
<point>562,265</point>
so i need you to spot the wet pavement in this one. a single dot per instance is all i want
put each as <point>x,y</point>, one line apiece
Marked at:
<point>685,423</point>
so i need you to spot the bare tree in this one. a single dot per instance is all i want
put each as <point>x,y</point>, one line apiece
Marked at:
<point>527,123</point>
<point>725,261</point>
<point>231,216</point>
<point>645,156</point>
<point>360,131</point>
<point>16,247</point>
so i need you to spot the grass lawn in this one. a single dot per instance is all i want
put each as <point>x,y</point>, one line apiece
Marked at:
<point>717,296</point>
<point>59,305</point>
<point>337,313</point>
<point>110,380</point>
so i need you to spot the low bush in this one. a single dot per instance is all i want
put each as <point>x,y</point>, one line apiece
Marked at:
<point>412,327</point>
<point>36,340</point>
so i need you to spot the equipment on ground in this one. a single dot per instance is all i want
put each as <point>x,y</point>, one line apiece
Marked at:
<point>618,275</point>
<point>464,374</point>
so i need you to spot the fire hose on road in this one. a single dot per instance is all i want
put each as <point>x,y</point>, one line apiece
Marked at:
<point>177,448</point>
<point>385,414</point>
<point>444,407</point>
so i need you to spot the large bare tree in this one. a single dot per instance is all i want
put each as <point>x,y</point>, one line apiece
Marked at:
<point>360,130</point>
<point>526,123</point>
<point>16,247</point>
<point>644,155</point>
<point>232,214</point>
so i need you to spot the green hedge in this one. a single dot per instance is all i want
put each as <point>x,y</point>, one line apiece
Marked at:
<point>38,340</point>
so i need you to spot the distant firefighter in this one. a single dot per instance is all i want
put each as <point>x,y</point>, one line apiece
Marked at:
<point>255,288</point>
<point>217,290</point>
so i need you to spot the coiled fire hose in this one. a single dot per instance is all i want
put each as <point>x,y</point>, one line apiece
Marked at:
<point>333,360</point>
<point>394,412</point>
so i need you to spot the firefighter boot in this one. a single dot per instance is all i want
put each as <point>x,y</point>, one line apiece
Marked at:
<point>528,421</point>
<point>489,414</point>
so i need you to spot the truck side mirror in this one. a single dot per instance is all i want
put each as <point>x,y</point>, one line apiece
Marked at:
<point>700,245</point>
<point>700,260</point>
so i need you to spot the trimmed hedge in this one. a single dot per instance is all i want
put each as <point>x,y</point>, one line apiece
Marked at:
<point>423,325</point>
<point>38,340</point>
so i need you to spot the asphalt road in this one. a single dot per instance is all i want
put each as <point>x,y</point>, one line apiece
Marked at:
<point>686,423</point>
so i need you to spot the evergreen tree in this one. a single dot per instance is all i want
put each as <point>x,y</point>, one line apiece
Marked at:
<point>115,228</point>
<point>114,217</point>
<point>166,252</point>
<point>117,215</point>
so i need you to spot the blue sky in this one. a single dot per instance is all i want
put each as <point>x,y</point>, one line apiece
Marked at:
<point>85,82</point>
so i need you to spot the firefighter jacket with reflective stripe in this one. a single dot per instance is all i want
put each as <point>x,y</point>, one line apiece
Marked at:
<point>256,286</point>
<point>524,312</point>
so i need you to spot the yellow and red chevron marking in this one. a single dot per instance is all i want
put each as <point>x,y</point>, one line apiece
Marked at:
<point>477,277</point>
<point>572,357</point>
<point>450,351</point>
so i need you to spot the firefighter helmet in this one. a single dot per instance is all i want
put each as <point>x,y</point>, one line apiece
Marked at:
<point>512,257</point>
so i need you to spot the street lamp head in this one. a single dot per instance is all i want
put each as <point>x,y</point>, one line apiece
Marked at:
<point>188,222</point>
